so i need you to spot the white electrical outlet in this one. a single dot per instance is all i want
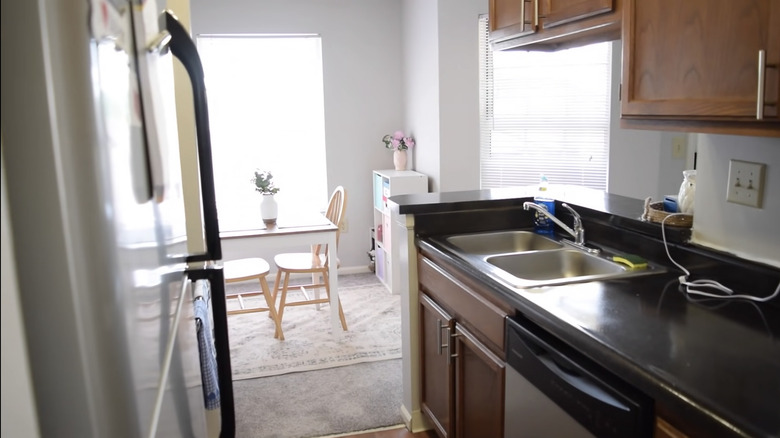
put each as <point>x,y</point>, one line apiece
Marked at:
<point>746,183</point>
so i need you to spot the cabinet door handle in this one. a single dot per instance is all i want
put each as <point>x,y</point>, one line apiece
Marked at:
<point>439,345</point>
<point>522,16</point>
<point>536,14</point>
<point>760,102</point>
<point>451,345</point>
<point>438,336</point>
<point>535,22</point>
<point>760,97</point>
<point>451,336</point>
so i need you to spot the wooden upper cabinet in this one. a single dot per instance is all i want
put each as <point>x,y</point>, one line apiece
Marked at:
<point>559,12</point>
<point>552,24</point>
<point>697,62</point>
<point>511,19</point>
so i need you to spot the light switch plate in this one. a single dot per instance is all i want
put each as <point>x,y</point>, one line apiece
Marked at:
<point>679,147</point>
<point>746,183</point>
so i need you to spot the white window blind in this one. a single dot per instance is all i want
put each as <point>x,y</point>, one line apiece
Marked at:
<point>266,111</point>
<point>544,112</point>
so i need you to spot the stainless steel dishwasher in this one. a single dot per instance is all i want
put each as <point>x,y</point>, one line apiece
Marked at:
<point>554,391</point>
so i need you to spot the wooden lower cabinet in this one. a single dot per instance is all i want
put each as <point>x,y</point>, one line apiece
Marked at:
<point>438,371</point>
<point>479,388</point>
<point>462,381</point>
<point>462,359</point>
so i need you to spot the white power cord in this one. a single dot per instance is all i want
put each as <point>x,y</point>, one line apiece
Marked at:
<point>707,283</point>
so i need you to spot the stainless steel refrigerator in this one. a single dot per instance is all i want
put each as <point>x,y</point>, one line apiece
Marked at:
<point>124,326</point>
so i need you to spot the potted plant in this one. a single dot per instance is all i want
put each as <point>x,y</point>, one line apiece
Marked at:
<point>399,144</point>
<point>263,181</point>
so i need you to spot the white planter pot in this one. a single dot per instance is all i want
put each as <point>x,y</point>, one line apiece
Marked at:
<point>269,210</point>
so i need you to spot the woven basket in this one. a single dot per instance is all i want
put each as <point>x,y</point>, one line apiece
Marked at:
<point>654,212</point>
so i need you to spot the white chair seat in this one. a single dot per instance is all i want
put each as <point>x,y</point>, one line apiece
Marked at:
<point>245,269</point>
<point>300,262</point>
<point>252,269</point>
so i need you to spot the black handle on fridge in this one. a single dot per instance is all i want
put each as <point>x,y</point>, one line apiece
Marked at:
<point>216,279</point>
<point>184,49</point>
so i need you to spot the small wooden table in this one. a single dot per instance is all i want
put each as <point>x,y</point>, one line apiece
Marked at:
<point>300,230</point>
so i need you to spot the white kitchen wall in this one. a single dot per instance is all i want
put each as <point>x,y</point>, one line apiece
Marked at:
<point>419,27</point>
<point>459,100</point>
<point>442,89</point>
<point>750,233</point>
<point>362,68</point>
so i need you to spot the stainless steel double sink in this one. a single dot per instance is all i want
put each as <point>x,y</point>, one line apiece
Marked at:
<point>524,259</point>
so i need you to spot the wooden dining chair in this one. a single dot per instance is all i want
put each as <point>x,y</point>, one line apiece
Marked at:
<point>315,263</point>
<point>252,269</point>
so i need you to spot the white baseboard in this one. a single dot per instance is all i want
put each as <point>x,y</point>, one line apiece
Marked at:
<point>415,421</point>
<point>347,270</point>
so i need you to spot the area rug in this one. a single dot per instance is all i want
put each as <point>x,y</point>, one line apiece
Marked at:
<point>348,399</point>
<point>374,332</point>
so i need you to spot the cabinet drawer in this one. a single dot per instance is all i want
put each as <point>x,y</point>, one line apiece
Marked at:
<point>466,305</point>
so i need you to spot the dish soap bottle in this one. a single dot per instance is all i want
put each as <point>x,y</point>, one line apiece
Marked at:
<point>543,224</point>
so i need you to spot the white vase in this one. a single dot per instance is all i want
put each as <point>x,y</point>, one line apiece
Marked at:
<point>269,209</point>
<point>399,160</point>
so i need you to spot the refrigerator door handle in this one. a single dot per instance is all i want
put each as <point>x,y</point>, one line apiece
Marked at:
<point>183,48</point>
<point>216,278</point>
<point>160,43</point>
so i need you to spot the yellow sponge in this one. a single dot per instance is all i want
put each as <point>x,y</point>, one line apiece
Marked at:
<point>631,260</point>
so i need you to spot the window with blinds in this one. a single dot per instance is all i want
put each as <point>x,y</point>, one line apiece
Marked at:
<point>266,112</point>
<point>544,113</point>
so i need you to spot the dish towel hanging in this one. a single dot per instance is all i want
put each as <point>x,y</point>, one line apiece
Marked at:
<point>208,360</point>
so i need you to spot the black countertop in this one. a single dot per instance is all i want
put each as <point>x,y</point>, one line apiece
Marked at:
<point>713,366</point>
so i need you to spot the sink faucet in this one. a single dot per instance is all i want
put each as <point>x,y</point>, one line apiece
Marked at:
<point>578,232</point>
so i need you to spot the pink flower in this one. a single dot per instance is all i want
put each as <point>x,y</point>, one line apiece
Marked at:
<point>397,141</point>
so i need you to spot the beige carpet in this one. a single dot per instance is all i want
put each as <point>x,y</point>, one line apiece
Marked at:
<point>373,318</point>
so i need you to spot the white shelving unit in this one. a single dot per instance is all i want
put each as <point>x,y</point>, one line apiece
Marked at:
<point>389,183</point>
